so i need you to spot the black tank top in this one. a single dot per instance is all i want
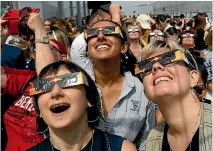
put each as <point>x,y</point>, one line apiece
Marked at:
<point>101,141</point>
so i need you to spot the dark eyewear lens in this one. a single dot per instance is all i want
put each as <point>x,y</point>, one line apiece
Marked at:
<point>109,30</point>
<point>105,30</point>
<point>64,81</point>
<point>19,41</point>
<point>167,59</point>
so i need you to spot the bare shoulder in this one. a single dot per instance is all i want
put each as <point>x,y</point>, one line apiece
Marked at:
<point>128,146</point>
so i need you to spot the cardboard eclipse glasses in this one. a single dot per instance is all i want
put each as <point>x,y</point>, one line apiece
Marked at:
<point>108,30</point>
<point>45,85</point>
<point>169,58</point>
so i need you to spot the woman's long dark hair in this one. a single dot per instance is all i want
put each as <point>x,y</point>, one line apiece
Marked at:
<point>128,61</point>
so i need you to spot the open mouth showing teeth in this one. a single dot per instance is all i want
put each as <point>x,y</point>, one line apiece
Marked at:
<point>102,46</point>
<point>59,108</point>
<point>158,80</point>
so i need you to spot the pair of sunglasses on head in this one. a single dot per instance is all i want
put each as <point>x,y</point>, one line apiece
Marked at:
<point>166,59</point>
<point>107,30</point>
<point>45,85</point>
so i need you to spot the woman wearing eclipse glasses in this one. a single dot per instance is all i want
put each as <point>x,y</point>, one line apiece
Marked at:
<point>156,34</point>
<point>170,77</point>
<point>127,112</point>
<point>187,39</point>
<point>68,101</point>
<point>134,33</point>
<point>128,106</point>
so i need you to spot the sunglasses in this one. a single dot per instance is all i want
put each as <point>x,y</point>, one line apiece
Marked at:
<point>156,34</point>
<point>133,30</point>
<point>187,35</point>
<point>18,41</point>
<point>45,85</point>
<point>167,59</point>
<point>108,30</point>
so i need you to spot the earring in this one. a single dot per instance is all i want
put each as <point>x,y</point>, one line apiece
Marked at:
<point>89,109</point>
<point>89,105</point>
<point>30,126</point>
<point>93,120</point>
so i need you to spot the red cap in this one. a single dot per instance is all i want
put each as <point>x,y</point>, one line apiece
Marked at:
<point>13,17</point>
<point>13,20</point>
<point>61,46</point>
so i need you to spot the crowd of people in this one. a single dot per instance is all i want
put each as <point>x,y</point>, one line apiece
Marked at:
<point>116,83</point>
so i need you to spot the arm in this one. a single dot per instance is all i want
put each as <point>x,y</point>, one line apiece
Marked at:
<point>115,12</point>
<point>79,55</point>
<point>44,54</point>
<point>128,146</point>
<point>78,51</point>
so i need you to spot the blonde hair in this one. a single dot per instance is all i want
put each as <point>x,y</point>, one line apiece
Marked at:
<point>60,36</point>
<point>168,43</point>
<point>134,23</point>
<point>23,45</point>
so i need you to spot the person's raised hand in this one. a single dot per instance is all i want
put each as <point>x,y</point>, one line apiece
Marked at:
<point>114,8</point>
<point>35,23</point>
<point>115,12</point>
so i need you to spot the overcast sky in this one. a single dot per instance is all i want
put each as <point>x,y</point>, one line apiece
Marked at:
<point>129,6</point>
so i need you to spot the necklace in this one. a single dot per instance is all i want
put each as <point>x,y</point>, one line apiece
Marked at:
<point>90,147</point>
<point>169,134</point>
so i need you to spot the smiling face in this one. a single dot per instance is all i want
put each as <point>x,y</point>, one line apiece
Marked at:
<point>167,82</point>
<point>104,47</point>
<point>61,108</point>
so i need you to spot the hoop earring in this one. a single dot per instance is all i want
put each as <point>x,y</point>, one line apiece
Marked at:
<point>30,126</point>
<point>93,120</point>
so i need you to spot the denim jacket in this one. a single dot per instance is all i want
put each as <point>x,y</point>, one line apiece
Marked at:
<point>133,116</point>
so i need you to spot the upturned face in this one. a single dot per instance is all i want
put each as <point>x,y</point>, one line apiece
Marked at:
<point>61,108</point>
<point>156,36</point>
<point>168,81</point>
<point>133,32</point>
<point>103,47</point>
